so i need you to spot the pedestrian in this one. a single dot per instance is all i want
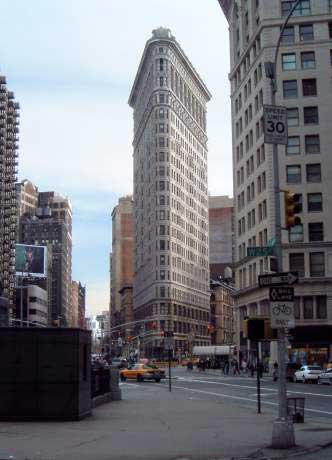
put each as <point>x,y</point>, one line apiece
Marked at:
<point>275,371</point>
<point>226,368</point>
<point>236,368</point>
<point>244,366</point>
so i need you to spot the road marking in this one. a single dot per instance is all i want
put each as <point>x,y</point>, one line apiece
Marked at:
<point>129,384</point>
<point>221,395</point>
<point>254,387</point>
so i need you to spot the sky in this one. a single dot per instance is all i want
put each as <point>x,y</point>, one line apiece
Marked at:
<point>71,65</point>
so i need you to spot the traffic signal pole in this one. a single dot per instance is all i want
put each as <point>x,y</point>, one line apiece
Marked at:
<point>283,430</point>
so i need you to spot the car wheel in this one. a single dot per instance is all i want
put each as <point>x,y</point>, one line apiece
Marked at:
<point>140,378</point>
<point>123,378</point>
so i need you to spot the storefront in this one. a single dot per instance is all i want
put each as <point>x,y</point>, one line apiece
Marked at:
<point>311,345</point>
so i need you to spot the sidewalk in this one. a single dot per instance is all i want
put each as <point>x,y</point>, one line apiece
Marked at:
<point>153,424</point>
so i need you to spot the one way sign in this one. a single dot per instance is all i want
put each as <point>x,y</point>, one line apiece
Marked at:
<point>278,279</point>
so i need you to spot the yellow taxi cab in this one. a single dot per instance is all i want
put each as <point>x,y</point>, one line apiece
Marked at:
<point>141,372</point>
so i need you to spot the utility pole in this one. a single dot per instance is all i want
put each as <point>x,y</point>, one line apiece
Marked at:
<point>283,429</point>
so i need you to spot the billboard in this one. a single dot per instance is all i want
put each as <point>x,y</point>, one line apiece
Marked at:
<point>30,260</point>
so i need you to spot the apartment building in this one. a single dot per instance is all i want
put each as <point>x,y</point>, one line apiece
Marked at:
<point>221,231</point>
<point>304,71</point>
<point>9,121</point>
<point>122,260</point>
<point>171,264</point>
<point>49,223</point>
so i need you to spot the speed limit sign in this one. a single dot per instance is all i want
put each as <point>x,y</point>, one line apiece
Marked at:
<point>275,124</point>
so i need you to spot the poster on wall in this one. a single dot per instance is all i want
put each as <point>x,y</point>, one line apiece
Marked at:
<point>30,260</point>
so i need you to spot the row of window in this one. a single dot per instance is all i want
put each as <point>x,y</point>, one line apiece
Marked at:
<point>310,116</point>
<point>315,232</point>
<point>313,173</point>
<point>316,263</point>
<point>310,307</point>
<point>311,145</point>
<point>290,88</point>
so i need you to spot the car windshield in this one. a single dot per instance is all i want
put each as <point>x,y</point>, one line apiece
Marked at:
<point>314,368</point>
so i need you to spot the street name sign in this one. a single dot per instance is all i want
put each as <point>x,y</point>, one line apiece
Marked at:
<point>275,125</point>
<point>282,315</point>
<point>260,251</point>
<point>277,279</point>
<point>282,294</point>
<point>168,341</point>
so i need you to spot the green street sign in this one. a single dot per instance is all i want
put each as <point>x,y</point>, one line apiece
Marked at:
<point>259,251</point>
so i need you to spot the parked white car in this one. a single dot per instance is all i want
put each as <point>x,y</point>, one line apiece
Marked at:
<point>308,374</point>
<point>325,377</point>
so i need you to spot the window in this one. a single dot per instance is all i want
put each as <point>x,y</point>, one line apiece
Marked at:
<point>321,307</point>
<point>288,35</point>
<point>293,146</point>
<point>309,87</point>
<point>293,117</point>
<point>314,172</point>
<point>293,174</point>
<point>296,263</point>
<point>315,202</point>
<point>308,60</point>
<point>296,234</point>
<point>289,89</point>
<point>306,32</point>
<point>312,144</point>
<point>303,9</point>
<point>316,231</point>
<point>162,245</point>
<point>317,264</point>
<point>289,61</point>
<point>310,115</point>
<point>308,307</point>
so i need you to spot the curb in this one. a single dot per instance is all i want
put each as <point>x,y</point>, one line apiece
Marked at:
<point>289,454</point>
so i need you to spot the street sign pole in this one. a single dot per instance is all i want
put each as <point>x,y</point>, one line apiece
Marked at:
<point>258,380</point>
<point>169,370</point>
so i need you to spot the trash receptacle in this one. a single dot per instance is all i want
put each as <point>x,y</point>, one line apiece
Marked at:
<point>295,409</point>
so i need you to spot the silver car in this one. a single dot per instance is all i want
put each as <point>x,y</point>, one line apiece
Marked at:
<point>325,377</point>
<point>308,374</point>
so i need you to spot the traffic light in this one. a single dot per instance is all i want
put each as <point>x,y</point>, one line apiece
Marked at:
<point>254,329</point>
<point>293,206</point>
<point>210,329</point>
<point>162,333</point>
<point>130,338</point>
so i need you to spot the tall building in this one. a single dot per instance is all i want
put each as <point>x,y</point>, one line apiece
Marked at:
<point>221,233</point>
<point>81,305</point>
<point>50,224</point>
<point>74,304</point>
<point>304,88</point>
<point>171,271</point>
<point>27,198</point>
<point>122,263</point>
<point>9,121</point>
<point>222,317</point>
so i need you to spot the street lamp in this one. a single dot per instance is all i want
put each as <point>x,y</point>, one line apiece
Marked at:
<point>283,429</point>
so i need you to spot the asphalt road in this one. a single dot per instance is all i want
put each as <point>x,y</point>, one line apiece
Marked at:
<point>243,391</point>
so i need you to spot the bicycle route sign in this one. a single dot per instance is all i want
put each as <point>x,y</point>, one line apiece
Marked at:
<point>281,294</point>
<point>282,307</point>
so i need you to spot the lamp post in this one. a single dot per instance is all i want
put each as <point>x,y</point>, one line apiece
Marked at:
<point>283,429</point>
